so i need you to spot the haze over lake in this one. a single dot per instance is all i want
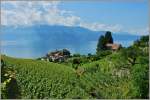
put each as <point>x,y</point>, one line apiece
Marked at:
<point>36,41</point>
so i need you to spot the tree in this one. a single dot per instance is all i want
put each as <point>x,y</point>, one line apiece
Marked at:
<point>145,38</point>
<point>66,52</point>
<point>108,37</point>
<point>142,42</point>
<point>89,54</point>
<point>103,40</point>
<point>101,44</point>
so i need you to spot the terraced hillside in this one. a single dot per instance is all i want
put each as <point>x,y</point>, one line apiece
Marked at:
<point>110,77</point>
<point>39,79</point>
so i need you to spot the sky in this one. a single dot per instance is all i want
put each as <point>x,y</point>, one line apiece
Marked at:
<point>116,16</point>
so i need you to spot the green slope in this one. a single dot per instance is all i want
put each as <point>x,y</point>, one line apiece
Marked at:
<point>111,77</point>
<point>40,79</point>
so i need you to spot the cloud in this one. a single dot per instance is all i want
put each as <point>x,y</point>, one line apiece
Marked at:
<point>125,43</point>
<point>23,42</point>
<point>6,43</point>
<point>33,12</point>
<point>140,31</point>
<point>47,12</point>
<point>103,27</point>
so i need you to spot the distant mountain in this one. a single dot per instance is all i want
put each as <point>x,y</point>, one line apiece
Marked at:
<point>35,41</point>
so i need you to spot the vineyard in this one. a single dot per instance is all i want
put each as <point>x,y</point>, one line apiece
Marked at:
<point>105,78</point>
<point>37,79</point>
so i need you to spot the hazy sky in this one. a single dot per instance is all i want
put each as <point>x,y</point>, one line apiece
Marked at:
<point>130,16</point>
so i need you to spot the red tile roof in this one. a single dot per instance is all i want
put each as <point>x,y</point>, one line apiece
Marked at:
<point>113,46</point>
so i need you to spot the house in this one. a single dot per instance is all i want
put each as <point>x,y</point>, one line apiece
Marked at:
<point>113,47</point>
<point>58,56</point>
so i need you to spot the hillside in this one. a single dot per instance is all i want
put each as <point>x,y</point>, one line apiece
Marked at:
<point>105,78</point>
<point>38,79</point>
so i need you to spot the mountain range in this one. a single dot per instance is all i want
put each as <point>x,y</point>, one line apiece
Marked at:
<point>37,40</point>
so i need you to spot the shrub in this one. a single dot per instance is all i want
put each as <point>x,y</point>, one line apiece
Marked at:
<point>76,55</point>
<point>140,77</point>
<point>9,87</point>
<point>104,53</point>
<point>131,54</point>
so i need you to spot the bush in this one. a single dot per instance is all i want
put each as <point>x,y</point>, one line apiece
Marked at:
<point>104,53</point>
<point>140,77</point>
<point>9,87</point>
<point>131,54</point>
<point>76,55</point>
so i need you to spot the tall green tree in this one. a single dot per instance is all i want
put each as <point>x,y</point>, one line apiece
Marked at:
<point>66,52</point>
<point>108,37</point>
<point>101,44</point>
<point>142,42</point>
